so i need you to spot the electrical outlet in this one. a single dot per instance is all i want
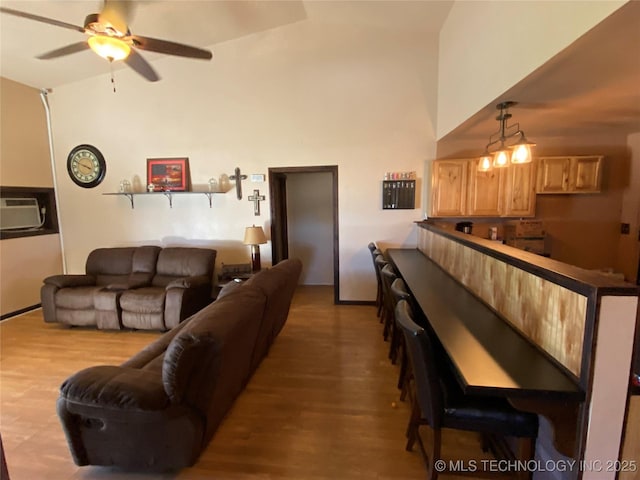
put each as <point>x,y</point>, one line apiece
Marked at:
<point>625,228</point>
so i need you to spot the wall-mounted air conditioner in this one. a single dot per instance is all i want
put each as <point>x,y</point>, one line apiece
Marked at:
<point>19,213</point>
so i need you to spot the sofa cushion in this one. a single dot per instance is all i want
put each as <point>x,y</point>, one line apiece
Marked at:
<point>227,288</point>
<point>226,330</point>
<point>143,300</point>
<point>76,298</point>
<point>183,262</point>
<point>110,265</point>
<point>185,352</point>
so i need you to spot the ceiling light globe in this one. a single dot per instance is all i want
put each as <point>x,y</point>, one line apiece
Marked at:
<point>501,159</point>
<point>521,154</point>
<point>484,164</point>
<point>111,48</point>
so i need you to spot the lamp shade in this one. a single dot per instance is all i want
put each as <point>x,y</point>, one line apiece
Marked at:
<point>501,158</point>
<point>522,152</point>
<point>485,163</point>
<point>254,236</point>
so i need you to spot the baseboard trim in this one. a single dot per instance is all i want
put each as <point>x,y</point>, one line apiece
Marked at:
<point>6,316</point>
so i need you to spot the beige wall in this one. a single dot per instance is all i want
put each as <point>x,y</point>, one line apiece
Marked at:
<point>24,162</point>
<point>487,47</point>
<point>24,263</point>
<point>362,98</point>
<point>24,144</point>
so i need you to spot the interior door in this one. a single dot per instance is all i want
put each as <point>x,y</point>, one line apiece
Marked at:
<point>279,233</point>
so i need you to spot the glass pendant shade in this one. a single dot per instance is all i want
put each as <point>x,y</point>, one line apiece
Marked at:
<point>485,163</point>
<point>111,48</point>
<point>521,153</point>
<point>501,158</point>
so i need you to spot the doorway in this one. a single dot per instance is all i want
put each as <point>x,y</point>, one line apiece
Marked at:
<point>310,234</point>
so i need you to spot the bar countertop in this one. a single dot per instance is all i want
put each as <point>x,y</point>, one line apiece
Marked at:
<point>489,356</point>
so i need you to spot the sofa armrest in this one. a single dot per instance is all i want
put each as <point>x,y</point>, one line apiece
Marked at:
<point>189,282</point>
<point>110,386</point>
<point>64,281</point>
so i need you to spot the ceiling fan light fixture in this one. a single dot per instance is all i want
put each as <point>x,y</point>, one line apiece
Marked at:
<point>111,48</point>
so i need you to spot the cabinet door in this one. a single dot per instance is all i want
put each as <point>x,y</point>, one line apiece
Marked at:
<point>554,175</point>
<point>448,188</point>
<point>486,191</point>
<point>585,174</point>
<point>520,190</point>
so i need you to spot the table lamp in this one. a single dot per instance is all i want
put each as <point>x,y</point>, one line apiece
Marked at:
<point>254,236</point>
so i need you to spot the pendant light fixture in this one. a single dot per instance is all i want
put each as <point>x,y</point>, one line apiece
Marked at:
<point>518,152</point>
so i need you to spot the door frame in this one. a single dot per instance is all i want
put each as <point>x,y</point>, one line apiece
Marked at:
<point>278,205</point>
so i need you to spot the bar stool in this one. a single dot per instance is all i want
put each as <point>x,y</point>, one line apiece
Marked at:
<point>400,292</point>
<point>380,263</point>
<point>375,251</point>
<point>388,275</point>
<point>438,402</point>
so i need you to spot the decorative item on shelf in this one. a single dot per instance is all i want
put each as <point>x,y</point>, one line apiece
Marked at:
<point>151,188</point>
<point>254,236</point>
<point>519,152</point>
<point>238,177</point>
<point>168,174</point>
<point>125,186</point>
<point>213,185</point>
<point>256,198</point>
<point>400,176</point>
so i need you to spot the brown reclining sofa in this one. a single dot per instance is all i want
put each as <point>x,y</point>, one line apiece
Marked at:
<point>159,409</point>
<point>145,287</point>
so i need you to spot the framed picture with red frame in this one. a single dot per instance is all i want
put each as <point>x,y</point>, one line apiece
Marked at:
<point>168,174</point>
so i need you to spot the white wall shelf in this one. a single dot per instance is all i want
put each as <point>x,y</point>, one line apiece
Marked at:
<point>169,195</point>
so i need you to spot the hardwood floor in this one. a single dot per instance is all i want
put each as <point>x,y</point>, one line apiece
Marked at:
<point>322,405</point>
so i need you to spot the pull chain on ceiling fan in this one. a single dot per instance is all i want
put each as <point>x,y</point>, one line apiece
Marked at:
<point>109,36</point>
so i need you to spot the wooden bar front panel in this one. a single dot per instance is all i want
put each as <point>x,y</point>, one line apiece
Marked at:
<point>550,315</point>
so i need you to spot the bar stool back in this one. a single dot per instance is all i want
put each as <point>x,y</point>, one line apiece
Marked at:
<point>439,403</point>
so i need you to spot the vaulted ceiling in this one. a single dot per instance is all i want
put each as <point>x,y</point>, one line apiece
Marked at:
<point>202,23</point>
<point>593,85</point>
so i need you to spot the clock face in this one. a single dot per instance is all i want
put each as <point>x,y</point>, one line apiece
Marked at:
<point>86,166</point>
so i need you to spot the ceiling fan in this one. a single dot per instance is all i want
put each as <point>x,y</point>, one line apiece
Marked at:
<point>109,36</point>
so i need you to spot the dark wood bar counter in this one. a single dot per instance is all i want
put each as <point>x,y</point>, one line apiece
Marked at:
<point>552,338</point>
<point>489,356</point>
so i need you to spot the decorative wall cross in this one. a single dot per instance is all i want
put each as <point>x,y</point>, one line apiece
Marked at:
<point>238,179</point>
<point>256,198</point>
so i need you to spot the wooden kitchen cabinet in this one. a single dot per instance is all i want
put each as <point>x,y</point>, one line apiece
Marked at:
<point>458,189</point>
<point>577,174</point>
<point>449,188</point>
<point>520,190</point>
<point>485,193</point>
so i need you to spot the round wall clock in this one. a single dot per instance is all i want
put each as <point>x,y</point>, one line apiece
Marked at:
<point>86,166</point>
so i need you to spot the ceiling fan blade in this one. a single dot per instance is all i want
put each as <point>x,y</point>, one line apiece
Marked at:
<point>68,50</point>
<point>170,48</point>
<point>141,66</point>
<point>38,18</point>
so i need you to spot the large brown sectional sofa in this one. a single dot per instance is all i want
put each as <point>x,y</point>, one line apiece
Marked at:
<point>159,409</point>
<point>145,287</point>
